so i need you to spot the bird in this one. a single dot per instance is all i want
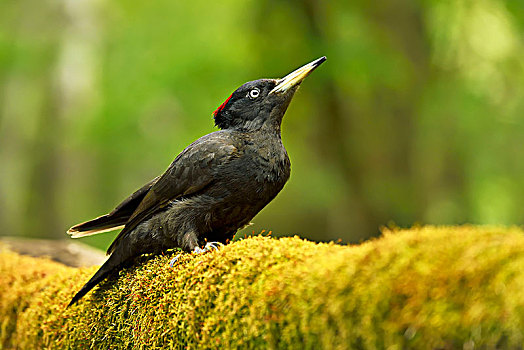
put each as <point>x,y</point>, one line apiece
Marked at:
<point>213,188</point>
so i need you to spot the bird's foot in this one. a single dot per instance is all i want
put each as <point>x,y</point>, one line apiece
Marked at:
<point>174,260</point>
<point>208,247</point>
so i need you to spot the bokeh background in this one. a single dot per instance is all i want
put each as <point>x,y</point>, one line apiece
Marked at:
<point>417,117</point>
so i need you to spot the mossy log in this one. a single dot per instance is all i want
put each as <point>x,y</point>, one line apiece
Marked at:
<point>422,288</point>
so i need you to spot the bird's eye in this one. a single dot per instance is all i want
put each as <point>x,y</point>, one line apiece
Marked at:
<point>254,93</point>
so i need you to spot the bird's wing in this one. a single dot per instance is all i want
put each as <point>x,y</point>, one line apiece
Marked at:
<point>193,170</point>
<point>115,219</point>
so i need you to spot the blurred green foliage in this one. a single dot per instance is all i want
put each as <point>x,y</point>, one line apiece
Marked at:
<point>417,116</point>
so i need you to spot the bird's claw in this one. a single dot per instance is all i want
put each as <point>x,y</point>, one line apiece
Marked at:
<point>208,247</point>
<point>212,246</point>
<point>174,260</point>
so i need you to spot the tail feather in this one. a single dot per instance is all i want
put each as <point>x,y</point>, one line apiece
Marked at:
<point>112,264</point>
<point>101,224</point>
<point>114,220</point>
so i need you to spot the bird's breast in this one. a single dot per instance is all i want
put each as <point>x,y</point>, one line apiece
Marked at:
<point>268,160</point>
<point>244,185</point>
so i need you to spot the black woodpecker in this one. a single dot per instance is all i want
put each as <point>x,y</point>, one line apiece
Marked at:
<point>213,188</point>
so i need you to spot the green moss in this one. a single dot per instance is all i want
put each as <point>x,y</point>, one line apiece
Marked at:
<point>447,287</point>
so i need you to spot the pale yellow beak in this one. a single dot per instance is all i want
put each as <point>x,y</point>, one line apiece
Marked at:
<point>294,78</point>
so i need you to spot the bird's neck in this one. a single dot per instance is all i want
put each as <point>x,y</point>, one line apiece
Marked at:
<point>271,128</point>
<point>267,128</point>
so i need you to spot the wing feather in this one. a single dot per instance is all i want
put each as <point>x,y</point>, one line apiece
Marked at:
<point>197,167</point>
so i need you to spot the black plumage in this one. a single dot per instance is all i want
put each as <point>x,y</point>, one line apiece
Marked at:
<point>211,189</point>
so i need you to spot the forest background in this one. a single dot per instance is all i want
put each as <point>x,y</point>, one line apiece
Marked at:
<point>417,117</point>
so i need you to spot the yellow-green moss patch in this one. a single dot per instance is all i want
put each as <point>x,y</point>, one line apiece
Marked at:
<point>448,287</point>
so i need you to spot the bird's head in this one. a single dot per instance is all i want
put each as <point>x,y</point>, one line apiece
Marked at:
<point>261,102</point>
